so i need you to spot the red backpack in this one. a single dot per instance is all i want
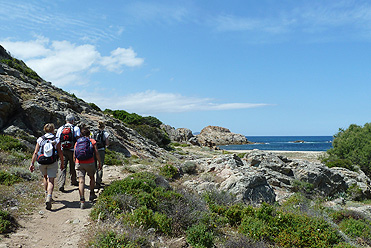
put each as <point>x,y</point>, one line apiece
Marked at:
<point>67,137</point>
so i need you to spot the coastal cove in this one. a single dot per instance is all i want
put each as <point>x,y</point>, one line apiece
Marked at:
<point>284,143</point>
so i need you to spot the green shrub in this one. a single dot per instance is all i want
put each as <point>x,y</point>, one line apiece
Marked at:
<point>189,167</point>
<point>354,193</point>
<point>255,228</point>
<point>8,143</point>
<point>353,144</point>
<point>155,134</point>
<point>94,106</point>
<point>288,229</point>
<point>344,163</point>
<point>303,187</point>
<point>111,239</point>
<point>8,179</point>
<point>5,222</point>
<point>169,171</point>
<point>112,158</point>
<point>356,228</point>
<point>199,236</point>
<point>21,66</point>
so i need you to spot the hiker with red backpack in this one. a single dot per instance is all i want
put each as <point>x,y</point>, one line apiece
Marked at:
<point>68,134</point>
<point>85,149</point>
<point>46,153</point>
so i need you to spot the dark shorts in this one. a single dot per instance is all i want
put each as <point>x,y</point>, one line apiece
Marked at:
<point>83,169</point>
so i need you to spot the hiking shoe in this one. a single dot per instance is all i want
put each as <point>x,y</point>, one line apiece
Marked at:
<point>48,203</point>
<point>61,189</point>
<point>92,197</point>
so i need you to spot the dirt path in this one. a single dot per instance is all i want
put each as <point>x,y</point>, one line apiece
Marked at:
<point>64,225</point>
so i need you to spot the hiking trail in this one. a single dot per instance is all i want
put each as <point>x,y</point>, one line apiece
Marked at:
<point>62,226</point>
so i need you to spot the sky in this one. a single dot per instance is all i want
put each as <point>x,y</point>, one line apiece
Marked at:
<point>256,67</point>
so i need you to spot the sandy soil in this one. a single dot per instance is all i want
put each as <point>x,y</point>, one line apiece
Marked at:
<point>64,225</point>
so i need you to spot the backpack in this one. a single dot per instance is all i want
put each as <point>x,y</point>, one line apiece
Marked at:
<point>47,153</point>
<point>67,137</point>
<point>84,149</point>
<point>100,139</point>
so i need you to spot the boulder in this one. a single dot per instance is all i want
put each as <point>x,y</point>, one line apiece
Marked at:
<point>229,174</point>
<point>213,136</point>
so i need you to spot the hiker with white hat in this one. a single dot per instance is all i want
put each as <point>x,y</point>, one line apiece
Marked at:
<point>46,153</point>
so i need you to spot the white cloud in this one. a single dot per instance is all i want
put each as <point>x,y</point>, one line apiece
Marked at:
<point>63,63</point>
<point>28,49</point>
<point>152,102</point>
<point>121,57</point>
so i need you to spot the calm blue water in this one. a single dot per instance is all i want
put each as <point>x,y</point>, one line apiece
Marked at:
<point>285,143</point>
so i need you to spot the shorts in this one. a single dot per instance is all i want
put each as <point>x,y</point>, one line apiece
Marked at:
<point>49,169</point>
<point>83,169</point>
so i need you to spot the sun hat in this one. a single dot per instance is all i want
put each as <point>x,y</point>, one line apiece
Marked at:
<point>48,149</point>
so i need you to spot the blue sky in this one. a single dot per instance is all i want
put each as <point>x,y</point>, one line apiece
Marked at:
<point>259,67</point>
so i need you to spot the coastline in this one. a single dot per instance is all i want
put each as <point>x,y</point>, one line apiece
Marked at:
<point>312,156</point>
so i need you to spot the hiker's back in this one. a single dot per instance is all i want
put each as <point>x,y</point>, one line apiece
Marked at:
<point>84,149</point>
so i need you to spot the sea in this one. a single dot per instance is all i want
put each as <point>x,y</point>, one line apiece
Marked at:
<point>285,143</point>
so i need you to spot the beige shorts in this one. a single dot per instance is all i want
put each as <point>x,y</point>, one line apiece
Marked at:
<point>49,169</point>
<point>83,169</point>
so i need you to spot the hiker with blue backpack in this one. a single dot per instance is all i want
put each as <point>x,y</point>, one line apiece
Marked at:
<point>85,149</point>
<point>68,134</point>
<point>46,153</point>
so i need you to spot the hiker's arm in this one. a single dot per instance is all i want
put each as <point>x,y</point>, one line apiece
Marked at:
<point>61,157</point>
<point>34,156</point>
<point>98,157</point>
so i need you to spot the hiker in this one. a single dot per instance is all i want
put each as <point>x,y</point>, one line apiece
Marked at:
<point>85,149</point>
<point>68,134</point>
<point>46,150</point>
<point>101,137</point>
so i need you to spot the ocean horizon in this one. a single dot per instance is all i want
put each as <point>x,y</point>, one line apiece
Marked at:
<point>285,143</point>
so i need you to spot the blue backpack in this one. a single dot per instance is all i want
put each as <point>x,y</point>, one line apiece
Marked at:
<point>84,149</point>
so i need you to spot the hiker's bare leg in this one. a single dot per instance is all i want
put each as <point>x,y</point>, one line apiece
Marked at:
<point>50,185</point>
<point>81,186</point>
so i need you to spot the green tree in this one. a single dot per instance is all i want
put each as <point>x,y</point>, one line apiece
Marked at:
<point>354,145</point>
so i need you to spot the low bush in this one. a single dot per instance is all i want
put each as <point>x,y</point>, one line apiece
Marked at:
<point>94,106</point>
<point>200,236</point>
<point>8,143</point>
<point>343,163</point>
<point>6,222</point>
<point>303,187</point>
<point>189,167</point>
<point>8,179</point>
<point>169,171</point>
<point>356,228</point>
<point>112,158</point>
<point>111,239</point>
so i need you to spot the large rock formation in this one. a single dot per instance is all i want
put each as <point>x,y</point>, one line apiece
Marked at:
<point>214,136</point>
<point>266,177</point>
<point>27,104</point>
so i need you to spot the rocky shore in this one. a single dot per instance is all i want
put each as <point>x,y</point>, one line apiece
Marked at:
<point>312,156</point>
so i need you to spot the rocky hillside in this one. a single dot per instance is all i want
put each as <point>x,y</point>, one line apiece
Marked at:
<point>28,102</point>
